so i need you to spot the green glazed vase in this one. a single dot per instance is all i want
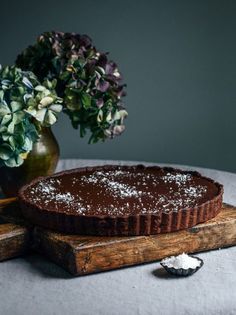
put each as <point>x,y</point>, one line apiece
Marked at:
<point>41,161</point>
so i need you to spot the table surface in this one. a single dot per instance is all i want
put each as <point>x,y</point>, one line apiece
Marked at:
<point>34,285</point>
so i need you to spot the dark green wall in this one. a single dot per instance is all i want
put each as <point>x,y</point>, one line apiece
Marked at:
<point>177,58</point>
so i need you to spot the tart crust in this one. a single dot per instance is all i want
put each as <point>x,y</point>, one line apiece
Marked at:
<point>120,225</point>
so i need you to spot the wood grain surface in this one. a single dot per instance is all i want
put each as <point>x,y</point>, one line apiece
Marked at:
<point>82,255</point>
<point>7,201</point>
<point>15,233</point>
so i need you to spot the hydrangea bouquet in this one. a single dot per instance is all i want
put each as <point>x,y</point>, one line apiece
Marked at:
<point>89,83</point>
<point>60,72</point>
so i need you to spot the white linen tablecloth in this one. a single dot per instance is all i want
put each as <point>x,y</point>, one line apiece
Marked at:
<point>32,285</point>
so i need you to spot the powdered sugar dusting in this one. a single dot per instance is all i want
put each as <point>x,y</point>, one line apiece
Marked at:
<point>179,179</point>
<point>49,191</point>
<point>116,188</point>
<point>121,191</point>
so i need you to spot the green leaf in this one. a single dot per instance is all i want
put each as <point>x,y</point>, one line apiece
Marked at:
<point>40,88</point>
<point>6,119</point>
<point>27,83</point>
<point>31,102</point>
<point>5,152</point>
<point>5,136</point>
<point>19,160</point>
<point>82,130</point>
<point>12,142</point>
<point>31,111</point>
<point>4,109</point>
<point>54,83</point>
<point>14,161</point>
<point>100,116</point>
<point>86,100</point>
<point>11,127</point>
<point>65,76</point>
<point>109,117</point>
<point>123,114</point>
<point>50,118</point>
<point>116,116</point>
<point>18,117</point>
<point>3,129</point>
<point>56,108</point>
<point>46,101</point>
<point>40,114</point>
<point>1,95</point>
<point>15,106</point>
<point>27,145</point>
<point>75,90</point>
<point>19,139</point>
<point>21,90</point>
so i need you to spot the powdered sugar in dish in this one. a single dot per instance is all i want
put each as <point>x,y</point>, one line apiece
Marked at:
<point>183,261</point>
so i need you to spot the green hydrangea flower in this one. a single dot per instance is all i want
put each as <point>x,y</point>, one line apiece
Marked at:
<point>25,107</point>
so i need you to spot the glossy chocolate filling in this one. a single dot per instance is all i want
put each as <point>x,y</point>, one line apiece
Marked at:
<point>120,191</point>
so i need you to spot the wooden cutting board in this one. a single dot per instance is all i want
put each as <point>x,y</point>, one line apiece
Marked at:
<point>82,255</point>
<point>15,233</point>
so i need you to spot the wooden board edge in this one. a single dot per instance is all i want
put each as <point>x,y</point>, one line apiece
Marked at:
<point>58,251</point>
<point>97,241</point>
<point>82,260</point>
<point>152,249</point>
<point>135,250</point>
<point>15,241</point>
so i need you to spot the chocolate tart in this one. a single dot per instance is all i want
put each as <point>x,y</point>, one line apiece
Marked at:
<point>121,200</point>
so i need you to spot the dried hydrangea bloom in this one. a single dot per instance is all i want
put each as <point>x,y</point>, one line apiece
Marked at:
<point>89,82</point>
